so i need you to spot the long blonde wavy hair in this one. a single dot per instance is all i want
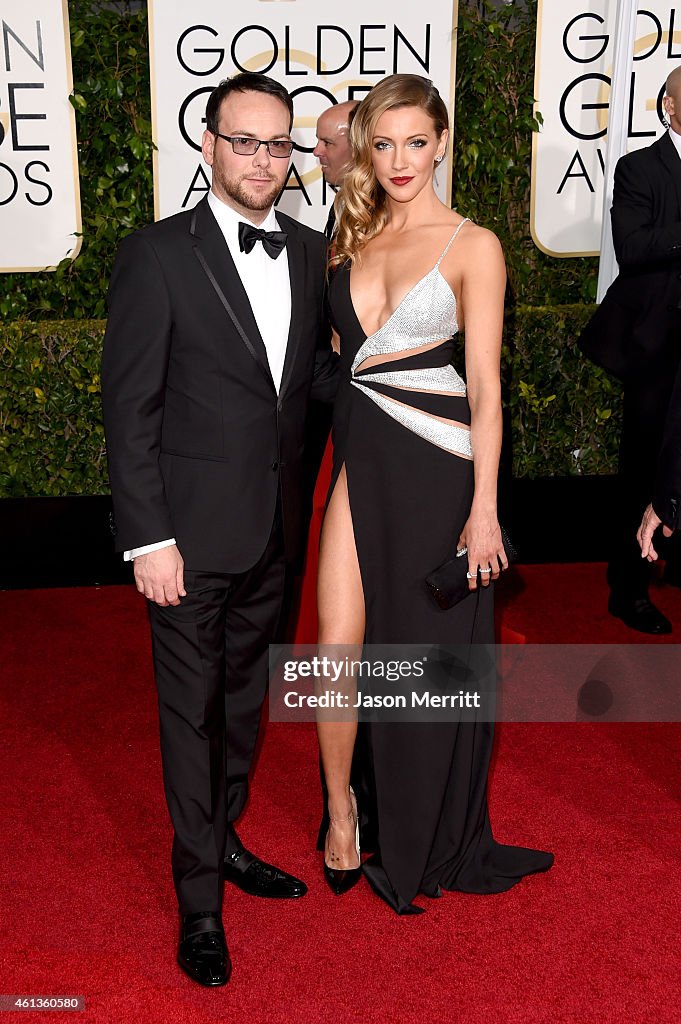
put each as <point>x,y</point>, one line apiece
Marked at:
<point>360,203</point>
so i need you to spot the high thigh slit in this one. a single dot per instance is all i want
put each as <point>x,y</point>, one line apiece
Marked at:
<point>402,431</point>
<point>334,548</point>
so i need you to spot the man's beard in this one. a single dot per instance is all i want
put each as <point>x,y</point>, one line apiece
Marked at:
<point>236,189</point>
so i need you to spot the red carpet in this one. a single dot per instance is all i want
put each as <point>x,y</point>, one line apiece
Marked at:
<point>88,904</point>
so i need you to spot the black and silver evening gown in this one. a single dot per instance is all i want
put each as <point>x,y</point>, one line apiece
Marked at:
<point>402,431</point>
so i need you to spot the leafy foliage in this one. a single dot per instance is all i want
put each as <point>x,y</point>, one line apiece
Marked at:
<point>51,435</point>
<point>492,152</point>
<point>566,413</point>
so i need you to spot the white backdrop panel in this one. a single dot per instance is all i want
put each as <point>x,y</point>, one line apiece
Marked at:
<point>572,92</point>
<point>39,189</point>
<point>321,53</point>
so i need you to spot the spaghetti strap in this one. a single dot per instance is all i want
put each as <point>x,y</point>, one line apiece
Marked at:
<point>451,240</point>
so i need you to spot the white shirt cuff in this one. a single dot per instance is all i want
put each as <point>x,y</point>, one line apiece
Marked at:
<point>129,556</point>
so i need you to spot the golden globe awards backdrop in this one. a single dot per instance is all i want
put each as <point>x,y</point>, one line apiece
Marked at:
<point>39,186</point>
<point>572,87</point>
<point>322,53</point>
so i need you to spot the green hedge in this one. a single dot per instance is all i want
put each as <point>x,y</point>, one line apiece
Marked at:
<point>566,414</point>
<point>51,434</point>
<point>52,442</point>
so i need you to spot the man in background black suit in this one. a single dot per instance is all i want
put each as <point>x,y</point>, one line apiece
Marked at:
<point>211,353</point>
<point>636,335</point>
<point>665,508</point>
<point>333,149</point>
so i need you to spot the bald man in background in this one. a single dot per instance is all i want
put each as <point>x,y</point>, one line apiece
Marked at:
<point>636,335</point>
<point>333,149</point>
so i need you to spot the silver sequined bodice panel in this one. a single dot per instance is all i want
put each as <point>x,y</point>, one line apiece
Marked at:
<point>412,380</point>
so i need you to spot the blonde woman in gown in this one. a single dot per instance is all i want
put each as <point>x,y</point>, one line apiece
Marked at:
<point>416,453</point>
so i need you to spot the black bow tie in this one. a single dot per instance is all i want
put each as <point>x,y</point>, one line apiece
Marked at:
<point>272,241</point>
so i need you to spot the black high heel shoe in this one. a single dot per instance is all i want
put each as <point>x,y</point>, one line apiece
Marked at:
<point>340,880</point>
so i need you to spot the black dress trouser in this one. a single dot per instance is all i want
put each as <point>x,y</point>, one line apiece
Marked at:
<point>211,666</point>
<point>645,408</point>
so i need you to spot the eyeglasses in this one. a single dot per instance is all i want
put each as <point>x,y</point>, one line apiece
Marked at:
<point>245,146</point>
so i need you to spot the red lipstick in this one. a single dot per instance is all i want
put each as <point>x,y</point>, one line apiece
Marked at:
<point>401,181</point>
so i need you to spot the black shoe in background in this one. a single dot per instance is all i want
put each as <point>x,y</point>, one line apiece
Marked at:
<point>639,614</point>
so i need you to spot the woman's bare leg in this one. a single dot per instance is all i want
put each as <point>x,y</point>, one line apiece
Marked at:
<point>340,601</point>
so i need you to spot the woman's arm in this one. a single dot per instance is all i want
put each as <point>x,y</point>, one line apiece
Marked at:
<point>482,298</point>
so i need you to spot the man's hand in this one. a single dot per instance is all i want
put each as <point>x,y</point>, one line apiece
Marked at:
<point>644,534</point>
<point>159,575</point>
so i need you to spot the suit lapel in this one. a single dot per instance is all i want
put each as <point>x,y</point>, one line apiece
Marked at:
<point>670,158</point>
<point>297,266</point>
<point>214,256</point>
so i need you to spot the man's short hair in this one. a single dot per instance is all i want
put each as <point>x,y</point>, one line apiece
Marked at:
<point>247,81</point>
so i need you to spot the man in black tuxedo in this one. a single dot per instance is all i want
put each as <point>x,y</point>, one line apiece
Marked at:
<point>212,351</point>
<point>636,335</point>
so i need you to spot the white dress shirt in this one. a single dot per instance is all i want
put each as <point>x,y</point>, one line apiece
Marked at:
<point>268,288</point>
<point>676,139</point>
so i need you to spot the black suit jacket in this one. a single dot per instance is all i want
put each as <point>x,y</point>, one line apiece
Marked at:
<point>198,440</point>
<point>639,319</point>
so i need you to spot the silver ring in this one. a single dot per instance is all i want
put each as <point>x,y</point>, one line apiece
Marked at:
<point>461,551</point>
<point>486,570</point>
<point>471,575</point>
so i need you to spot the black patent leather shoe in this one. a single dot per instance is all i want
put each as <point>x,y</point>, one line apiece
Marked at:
<point>640,614</point>
<point>257,878</point>
<point>202,951</point>
<point>341,880</point>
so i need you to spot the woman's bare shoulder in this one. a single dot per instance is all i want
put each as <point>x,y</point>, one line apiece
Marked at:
<point>476,249</point>
<point>481,239</point>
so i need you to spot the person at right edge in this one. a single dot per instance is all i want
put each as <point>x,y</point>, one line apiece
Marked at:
<point>665,508</point>
<point>635,335</point>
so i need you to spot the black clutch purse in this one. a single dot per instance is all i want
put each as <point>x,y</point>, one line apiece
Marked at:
<point>449,583</point>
